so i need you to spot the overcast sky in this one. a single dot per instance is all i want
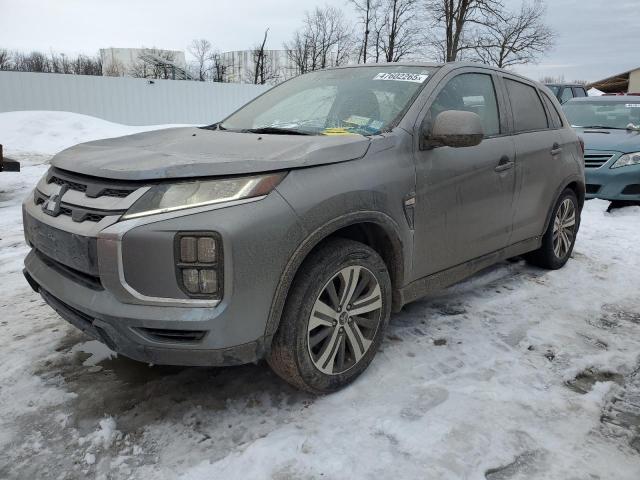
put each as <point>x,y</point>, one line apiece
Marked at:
<point>596,38</point>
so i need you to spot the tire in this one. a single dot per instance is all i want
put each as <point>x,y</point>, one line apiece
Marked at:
<point>324,352</point>
<point>556,250</point>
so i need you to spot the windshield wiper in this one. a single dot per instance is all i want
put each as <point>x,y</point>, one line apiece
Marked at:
<point>601,126</point>
<point>278,131</point>
<point>215,126</point>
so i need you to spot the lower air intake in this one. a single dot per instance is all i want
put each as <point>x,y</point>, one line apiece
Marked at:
<point>173,336</point>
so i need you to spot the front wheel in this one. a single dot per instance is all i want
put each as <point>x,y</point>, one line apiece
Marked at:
<point>334,317</point>
<point>559,239</point>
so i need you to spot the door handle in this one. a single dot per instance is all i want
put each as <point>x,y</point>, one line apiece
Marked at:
<point>504,164</point>
<point>556,149</point>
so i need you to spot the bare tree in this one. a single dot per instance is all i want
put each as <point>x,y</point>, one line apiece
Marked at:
<point>60,63</point>
<point>114,68</point>
<point>53,63</point>
<point>32,62</point>
<point>219,68</point>
<point>397,30</point>
<point>299,52</point>
<point>262,70</point>
<point>5,59</point>
<point>160,66</point>
<point>367,12</point>
<point>324,40</point>
<point>201,51</point>
<point>84,65</point>
<point>454,24</point>
<point>516,38</point>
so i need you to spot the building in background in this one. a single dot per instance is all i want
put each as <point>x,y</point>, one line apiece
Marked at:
<point>144,63</point>
<point>628,81</point>
<point>240,66</point>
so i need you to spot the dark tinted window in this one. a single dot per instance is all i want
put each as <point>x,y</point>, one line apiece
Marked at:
<point>528,112</point>
<point>579,92</point>
<point>555,116</point>
<point>566,95</point>
<point>472,92</point>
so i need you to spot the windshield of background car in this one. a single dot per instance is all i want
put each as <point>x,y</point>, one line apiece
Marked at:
<point>606,114</point>
<point>362,100</point>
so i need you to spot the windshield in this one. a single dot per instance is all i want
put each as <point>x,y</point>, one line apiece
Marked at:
<point>554,88</point>
<point>603,114</point>
<point>363,100</point>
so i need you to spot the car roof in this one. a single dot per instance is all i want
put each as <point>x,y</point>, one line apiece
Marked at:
<point>564,85</point>
<point>608,98</point>
<point>447,65</point>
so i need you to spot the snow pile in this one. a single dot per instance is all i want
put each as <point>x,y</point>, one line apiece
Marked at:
<point>103,436</point>
<point>504,376</point>
<point>594,92</point>
<point>51,132</point>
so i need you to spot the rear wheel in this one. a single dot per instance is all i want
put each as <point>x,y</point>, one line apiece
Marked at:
<point>559,239</point>
<point>334,318</point>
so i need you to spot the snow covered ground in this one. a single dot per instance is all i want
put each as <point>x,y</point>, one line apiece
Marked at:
<point>516,373</point>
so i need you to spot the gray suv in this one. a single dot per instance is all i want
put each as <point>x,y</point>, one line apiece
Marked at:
<point>292,229</point>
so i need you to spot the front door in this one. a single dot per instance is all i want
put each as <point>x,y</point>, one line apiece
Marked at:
<point>464,196</point>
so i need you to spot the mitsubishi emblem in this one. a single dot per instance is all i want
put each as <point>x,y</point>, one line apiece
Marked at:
<point>51,206</point>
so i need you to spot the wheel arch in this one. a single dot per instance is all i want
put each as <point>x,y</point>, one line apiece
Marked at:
<point>574,183</point>
<point>375,229</point>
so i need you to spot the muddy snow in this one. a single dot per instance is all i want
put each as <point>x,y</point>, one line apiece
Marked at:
<point>516,373</point>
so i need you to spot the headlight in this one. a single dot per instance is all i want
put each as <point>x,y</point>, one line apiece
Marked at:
<point>177,196</point>
<point>627,159</point>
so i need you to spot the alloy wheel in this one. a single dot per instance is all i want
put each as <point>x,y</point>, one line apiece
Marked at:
<point>344,320</point>
<point>564,227</point>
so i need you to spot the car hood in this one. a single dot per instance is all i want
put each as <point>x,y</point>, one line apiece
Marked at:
<point>625,141</point>
<point>196,152</point>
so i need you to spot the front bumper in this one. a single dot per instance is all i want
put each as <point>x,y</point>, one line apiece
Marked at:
<point>258,239</point>
<point>607,183</point>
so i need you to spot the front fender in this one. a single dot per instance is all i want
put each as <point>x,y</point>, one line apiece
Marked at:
<point>383,220</point>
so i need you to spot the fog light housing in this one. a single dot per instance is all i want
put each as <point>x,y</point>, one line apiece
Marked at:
<point>198,259</point>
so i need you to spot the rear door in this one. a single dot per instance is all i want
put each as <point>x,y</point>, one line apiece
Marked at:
<point>539,147</point>
<point>464,196</point>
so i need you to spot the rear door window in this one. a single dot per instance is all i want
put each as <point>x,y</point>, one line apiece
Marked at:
<point>528,112</point>
<point>471,92</point>
<point>556,119</point>
<point>566,95</point>
<point>579,92</point>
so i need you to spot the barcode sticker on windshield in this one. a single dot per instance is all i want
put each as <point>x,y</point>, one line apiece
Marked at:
<point>632,105</point>
<point>402,77</point>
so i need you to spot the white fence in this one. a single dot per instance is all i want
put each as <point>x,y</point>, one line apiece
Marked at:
<point>131,101</point>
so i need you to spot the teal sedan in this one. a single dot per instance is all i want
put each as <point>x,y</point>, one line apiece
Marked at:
<point>610,127</point>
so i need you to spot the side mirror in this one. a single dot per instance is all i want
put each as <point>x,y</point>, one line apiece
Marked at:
<point>455,128</point>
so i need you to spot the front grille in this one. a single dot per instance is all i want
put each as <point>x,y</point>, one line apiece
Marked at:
<point>92,188</point>
<point>596,160</point>
<point>71,185</point>
<point>77,252</point>
<point>592,188</point>
<point>77,214</point>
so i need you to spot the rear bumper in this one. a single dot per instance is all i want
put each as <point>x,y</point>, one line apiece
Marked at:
<point>613,184</point>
